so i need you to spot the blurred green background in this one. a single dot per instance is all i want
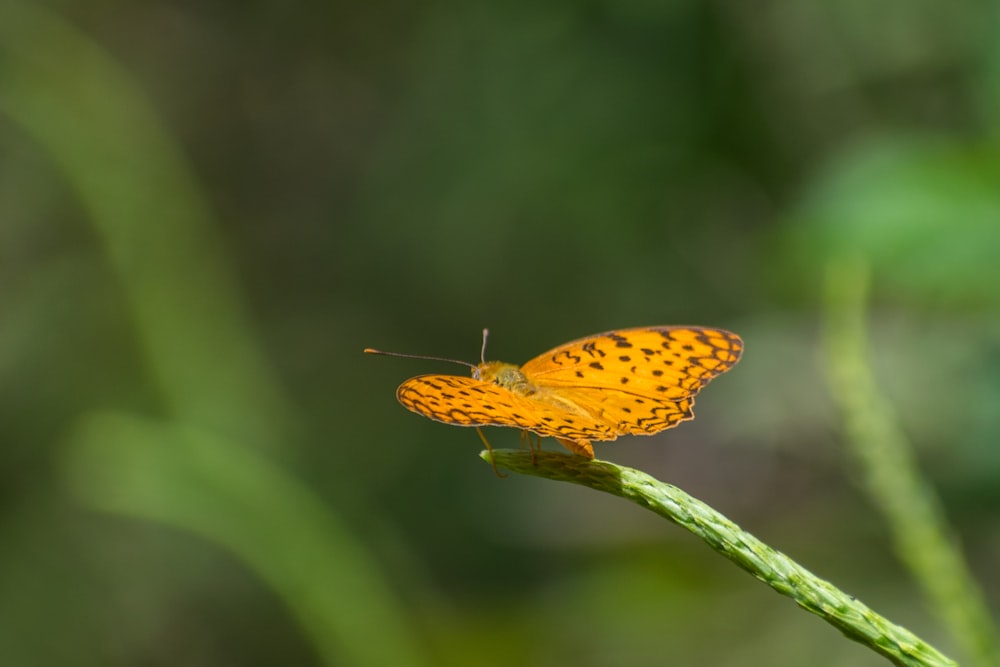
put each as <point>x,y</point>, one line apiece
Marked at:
<point>207,210</point>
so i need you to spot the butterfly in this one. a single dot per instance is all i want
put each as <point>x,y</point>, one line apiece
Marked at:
<point>627,382</point>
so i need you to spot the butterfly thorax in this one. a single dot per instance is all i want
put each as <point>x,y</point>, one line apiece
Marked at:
<point>507,376</point>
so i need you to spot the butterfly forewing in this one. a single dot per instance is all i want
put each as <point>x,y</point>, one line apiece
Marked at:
<point>465,401</point>
<point>661,362</point>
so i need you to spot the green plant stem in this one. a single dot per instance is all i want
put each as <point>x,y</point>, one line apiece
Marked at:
<point>892,476</point>
<point>777,570</point>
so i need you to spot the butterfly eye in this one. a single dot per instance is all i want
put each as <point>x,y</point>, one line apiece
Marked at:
<point>476,375</point>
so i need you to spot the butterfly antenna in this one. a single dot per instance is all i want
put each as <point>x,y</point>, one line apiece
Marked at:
<point>369,350</point>
<point>482,353</point>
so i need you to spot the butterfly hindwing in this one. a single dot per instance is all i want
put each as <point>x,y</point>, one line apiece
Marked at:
<point>629,413</point>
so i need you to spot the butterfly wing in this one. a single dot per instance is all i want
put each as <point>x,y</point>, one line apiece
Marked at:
<point>465,401</point>
<point>637,380</point>
<point>629,413</point>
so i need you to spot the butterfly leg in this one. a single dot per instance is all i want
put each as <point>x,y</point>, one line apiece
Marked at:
<point>482,436</point>
<point>578,447</point>
<point>534,446</point>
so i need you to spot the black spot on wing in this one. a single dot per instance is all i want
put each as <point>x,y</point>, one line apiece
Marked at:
<point>590,347</point>
<point>566,358</point>
<point>620,341</point>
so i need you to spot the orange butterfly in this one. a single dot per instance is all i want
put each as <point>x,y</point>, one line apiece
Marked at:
<point>633,381</point>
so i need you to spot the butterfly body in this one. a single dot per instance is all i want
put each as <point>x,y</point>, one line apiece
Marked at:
<point>505,375</point>
<point>631,381</point>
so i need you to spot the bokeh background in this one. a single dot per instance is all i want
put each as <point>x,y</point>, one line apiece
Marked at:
<point>208,209</point>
